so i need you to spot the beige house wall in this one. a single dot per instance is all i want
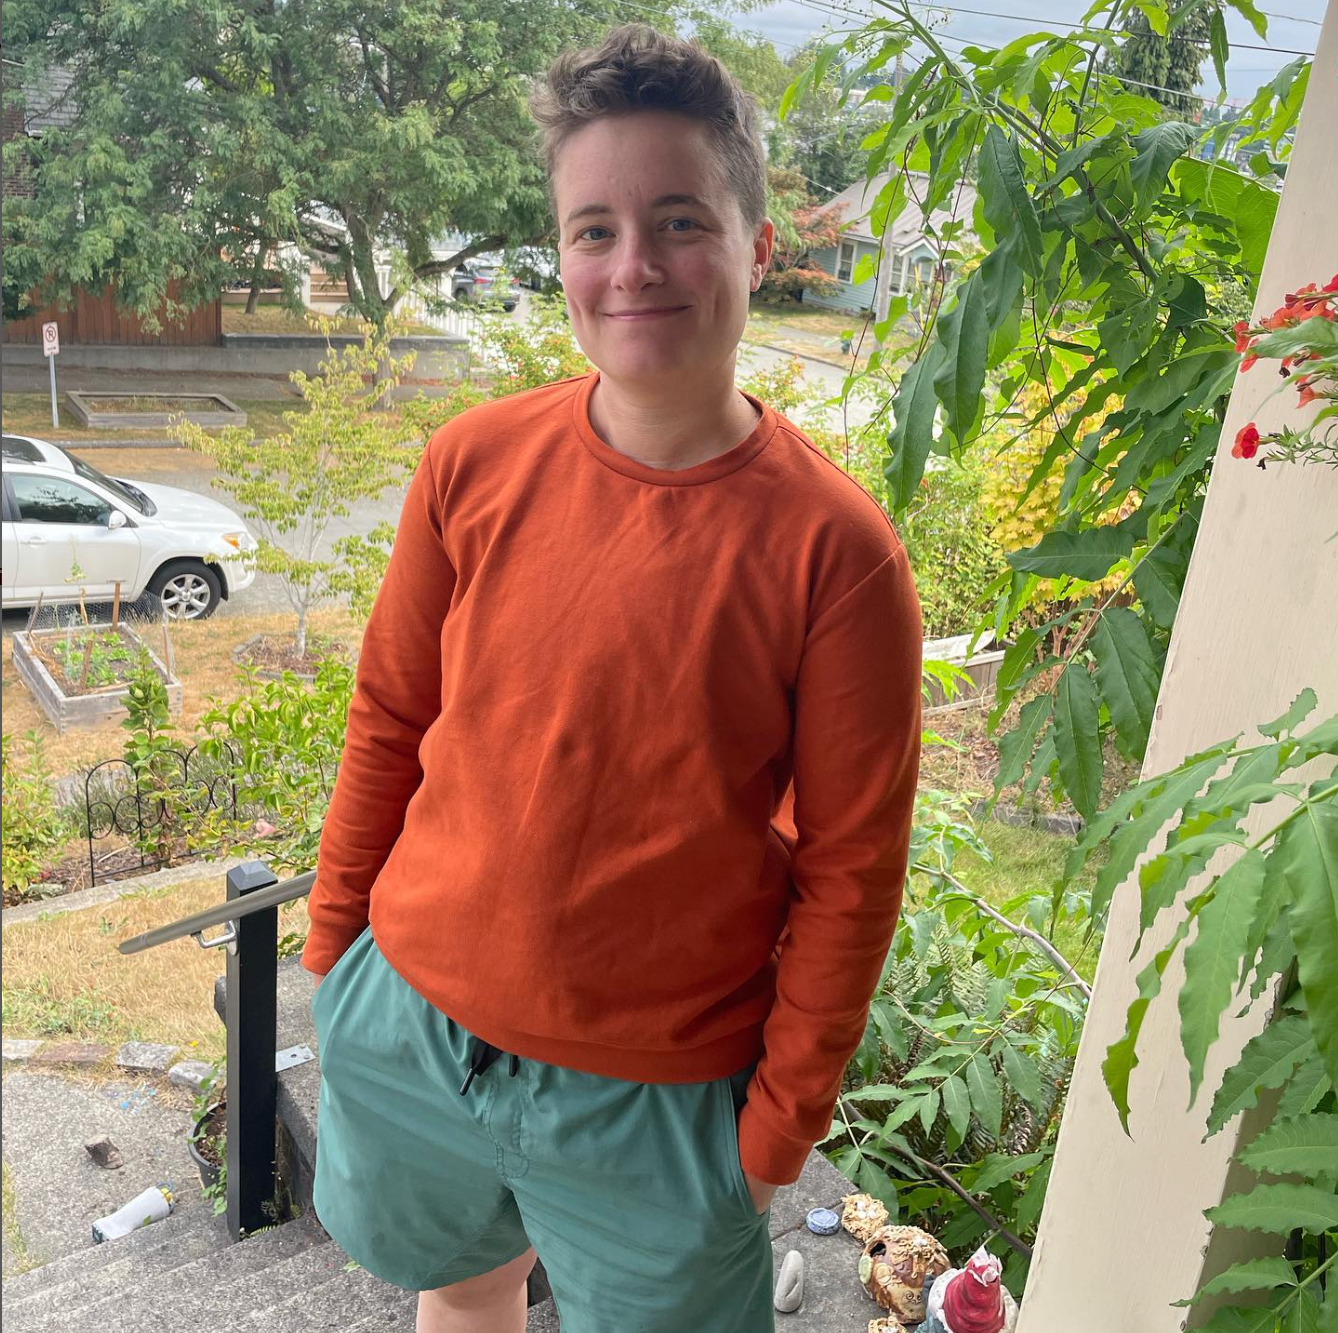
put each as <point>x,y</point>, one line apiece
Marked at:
<point>1122,1234</point>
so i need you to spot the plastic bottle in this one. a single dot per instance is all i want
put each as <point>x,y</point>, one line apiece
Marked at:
<point>151,1206</point>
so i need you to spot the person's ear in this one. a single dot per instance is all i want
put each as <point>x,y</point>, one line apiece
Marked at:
<point>763,244</point>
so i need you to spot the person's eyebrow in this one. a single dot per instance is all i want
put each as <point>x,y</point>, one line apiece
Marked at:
<point>591,210</point>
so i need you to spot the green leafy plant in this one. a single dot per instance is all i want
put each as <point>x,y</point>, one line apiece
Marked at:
<point>1265,925</point>
<point>281,740</point>
<point>156,766</point>
<point>210,1092</point>
<point>1101,235</point>
<point>35,828</point>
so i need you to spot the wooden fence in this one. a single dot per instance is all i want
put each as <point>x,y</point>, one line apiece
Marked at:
<point>96,319</point>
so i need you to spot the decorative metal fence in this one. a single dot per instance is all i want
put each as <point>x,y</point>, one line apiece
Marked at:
<point>118,805</point>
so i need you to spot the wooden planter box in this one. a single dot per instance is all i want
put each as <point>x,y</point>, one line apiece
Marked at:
<point>982,666</point>
<point>81,710</point>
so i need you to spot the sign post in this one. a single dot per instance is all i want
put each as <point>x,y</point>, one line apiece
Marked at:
<point>50,346</point>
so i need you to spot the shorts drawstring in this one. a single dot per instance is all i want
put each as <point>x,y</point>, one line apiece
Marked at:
<point>481,1055</point>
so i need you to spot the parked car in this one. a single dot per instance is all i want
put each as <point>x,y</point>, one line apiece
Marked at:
<point>60,512</point>
<point>484,279</point>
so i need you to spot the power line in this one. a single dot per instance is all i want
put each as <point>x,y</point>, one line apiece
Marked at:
<point>846,12</point>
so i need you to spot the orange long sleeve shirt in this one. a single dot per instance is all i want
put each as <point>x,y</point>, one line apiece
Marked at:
<point>631,758</point>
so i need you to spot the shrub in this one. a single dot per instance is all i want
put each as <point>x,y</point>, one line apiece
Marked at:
<point>34,826</point>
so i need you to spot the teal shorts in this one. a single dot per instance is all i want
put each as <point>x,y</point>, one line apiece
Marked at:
<point>631,1193</point>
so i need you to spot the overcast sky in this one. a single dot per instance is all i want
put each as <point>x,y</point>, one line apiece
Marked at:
<point>790,23</point>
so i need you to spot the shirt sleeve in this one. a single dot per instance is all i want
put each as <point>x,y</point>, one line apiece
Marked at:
<point>856,761</point>
<point>396,698</point>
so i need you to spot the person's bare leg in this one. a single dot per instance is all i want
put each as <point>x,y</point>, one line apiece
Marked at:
<point>490,1303</point>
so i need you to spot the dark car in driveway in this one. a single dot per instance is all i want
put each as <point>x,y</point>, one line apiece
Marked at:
<point>481,280</point>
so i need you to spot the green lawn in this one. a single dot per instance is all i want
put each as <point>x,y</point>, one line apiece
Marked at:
<point>1028,860</point>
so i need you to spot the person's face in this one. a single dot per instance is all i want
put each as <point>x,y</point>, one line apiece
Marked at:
<point>657,263</point>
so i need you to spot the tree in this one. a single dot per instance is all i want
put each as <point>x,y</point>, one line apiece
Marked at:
<point>1163,63</point>
<point>204,135</point>
<point>802,226</point>
<point>292,486</point>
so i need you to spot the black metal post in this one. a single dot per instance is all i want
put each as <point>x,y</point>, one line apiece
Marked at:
<point>252,1085</point>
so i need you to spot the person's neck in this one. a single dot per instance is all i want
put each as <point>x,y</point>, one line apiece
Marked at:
<point>671,431</point>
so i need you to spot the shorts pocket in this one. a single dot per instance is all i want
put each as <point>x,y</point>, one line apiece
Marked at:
<point>733,1093</point>
<point>320,995</point>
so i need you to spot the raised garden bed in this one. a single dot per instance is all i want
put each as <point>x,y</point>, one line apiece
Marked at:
<point>79,677</point>
<point>154,410</point>
<point>273,654</point>
<point>982,667</point>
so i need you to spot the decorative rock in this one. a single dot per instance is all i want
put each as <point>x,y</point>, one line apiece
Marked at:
<point>145,1057</point>
<point>823,1222</point>
<point>790,1283</point>
<point>893,1268</point>
<point>189,1074</point>
<point>886,1325</point>
<point>105,1153</point>
<point>863,1215</point>
<point>20,1049</point>
<point>82,1053</point>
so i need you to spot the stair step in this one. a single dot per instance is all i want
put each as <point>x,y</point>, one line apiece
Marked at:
<point>217,1286</point>
<point>157,1244</point>
<point>354,1297</point>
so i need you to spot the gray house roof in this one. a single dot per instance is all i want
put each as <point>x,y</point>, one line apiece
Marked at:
<point>47,99</point>
<point>907,231</point>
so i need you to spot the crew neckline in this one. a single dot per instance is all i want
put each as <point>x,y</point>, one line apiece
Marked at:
<point>711,470</point>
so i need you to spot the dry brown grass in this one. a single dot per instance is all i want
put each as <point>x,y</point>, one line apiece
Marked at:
<point>203,657</point>
<point>65,980</point>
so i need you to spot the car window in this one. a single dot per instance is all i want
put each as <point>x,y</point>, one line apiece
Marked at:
<point>15,450</point>
<point>51,500</point>
<point>133,497</point>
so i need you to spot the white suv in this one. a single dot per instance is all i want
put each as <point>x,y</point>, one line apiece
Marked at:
<point>60,513</point>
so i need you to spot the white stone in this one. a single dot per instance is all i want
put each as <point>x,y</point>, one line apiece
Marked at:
<point>145,1057</point>
<point>16,1049</point>
<point>189,1074</point>
<point>790,1283</point>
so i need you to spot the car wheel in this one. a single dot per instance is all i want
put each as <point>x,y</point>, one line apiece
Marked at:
<point>509,306</point>
<point>187,591</point>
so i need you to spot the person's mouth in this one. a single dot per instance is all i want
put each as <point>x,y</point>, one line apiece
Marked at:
<point>649,312</point>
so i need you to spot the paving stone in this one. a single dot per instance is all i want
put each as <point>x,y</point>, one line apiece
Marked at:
<point>146,1057</point>
<point>81,1053</point>
<point>189,1074</point>
<point>20,1049</point>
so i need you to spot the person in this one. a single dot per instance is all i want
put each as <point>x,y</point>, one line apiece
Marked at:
<point>619,837</point>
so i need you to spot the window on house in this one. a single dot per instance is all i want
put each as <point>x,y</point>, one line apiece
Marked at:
<point>845,265</point>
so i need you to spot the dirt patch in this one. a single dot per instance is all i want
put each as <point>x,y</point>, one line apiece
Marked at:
<point>88,661</point>
<point>152,402</point>
<point>278,652</point>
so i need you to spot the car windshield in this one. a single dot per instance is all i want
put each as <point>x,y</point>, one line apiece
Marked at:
<point>123,490</point>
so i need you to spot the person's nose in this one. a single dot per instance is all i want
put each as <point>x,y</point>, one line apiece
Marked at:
<point>637,264</point>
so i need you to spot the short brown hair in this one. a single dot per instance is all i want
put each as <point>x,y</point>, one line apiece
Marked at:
<point>638,68</point>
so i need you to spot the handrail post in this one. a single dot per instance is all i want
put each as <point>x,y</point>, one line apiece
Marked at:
<point>252,1085</point>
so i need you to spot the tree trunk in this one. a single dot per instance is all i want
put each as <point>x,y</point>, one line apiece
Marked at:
<point>257,279</point>
<point>301,635</point>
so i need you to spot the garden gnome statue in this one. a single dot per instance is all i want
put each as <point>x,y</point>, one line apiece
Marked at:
<point>971,1299</point>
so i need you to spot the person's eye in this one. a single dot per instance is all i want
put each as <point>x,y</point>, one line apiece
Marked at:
<point>687,224</point>
<point>587,235</point>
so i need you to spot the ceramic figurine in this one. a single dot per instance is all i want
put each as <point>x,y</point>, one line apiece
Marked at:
<point>971,1299</point>
<point>894,1267</point>
<point>862,1215</point>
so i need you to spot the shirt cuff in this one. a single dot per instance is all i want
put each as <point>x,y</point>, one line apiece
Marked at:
<point>776,1159</point>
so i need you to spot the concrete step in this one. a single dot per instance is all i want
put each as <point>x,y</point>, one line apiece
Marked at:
<point>159,1244</point>
<point>223,1291</point>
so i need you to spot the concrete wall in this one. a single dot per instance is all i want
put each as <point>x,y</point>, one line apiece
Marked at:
<point>1123,1233</point>
<point>444,358</point>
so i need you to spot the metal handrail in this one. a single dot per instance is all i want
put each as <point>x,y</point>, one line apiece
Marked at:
<point>256,901</point>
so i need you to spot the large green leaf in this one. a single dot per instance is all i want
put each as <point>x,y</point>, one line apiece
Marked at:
<point>1258,1274</point>
<point>913,434</point>
<point>1213,959</point>
<point>1266,1062</point>
<point>1309,848</point>
<point>986,1100</point>
<point>1077,739</point>
<point>1305,1089</point>
<point>1127,674</point>
<point>1301,708</point>
<point>1007,205</point>
<point>1155,149</point>
<point>1304,1145</point>
<point>1017,746</point>
<point>1122,1056</point>
<point>1023,1075</point>
<point>964,334</point>
<point>1279,1208</point>
<point>957,1104</point>
<point>1159,576</point>
<point>1088,554</point>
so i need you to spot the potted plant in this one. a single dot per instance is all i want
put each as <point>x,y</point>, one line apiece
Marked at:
<point>208,1139</point>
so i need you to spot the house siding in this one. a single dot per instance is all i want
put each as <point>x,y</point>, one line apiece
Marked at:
<point>847,296</point>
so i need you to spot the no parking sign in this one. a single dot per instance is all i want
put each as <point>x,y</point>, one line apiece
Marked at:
<point>50,346</point>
